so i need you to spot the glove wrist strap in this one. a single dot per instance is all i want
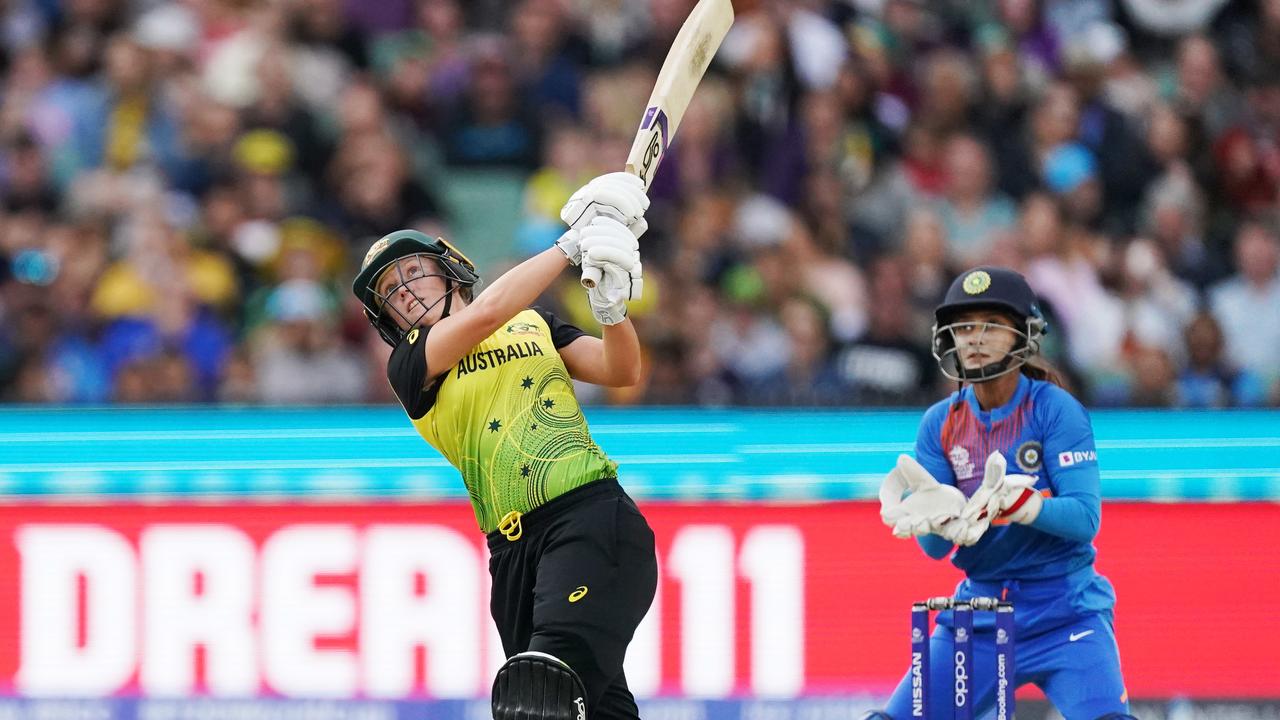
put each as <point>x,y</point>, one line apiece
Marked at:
<point>568,244</point>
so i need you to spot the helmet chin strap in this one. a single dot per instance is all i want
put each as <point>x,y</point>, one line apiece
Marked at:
<point>990,371</point>
<point>448,298</point>
<point>1013,359</point>
<point>392,323</point>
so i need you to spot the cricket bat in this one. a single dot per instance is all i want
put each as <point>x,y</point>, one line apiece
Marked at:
<point>682,70</point>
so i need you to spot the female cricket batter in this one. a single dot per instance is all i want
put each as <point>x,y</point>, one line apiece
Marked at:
<point>486,381</point>
<point>1038,552</point>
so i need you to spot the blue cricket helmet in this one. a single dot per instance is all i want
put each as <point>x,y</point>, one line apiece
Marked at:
<point>988,287</point>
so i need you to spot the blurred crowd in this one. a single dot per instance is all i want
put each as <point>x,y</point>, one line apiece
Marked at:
<point>186,188</point>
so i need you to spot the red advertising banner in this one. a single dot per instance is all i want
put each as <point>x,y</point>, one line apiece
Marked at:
<point>390,601</point>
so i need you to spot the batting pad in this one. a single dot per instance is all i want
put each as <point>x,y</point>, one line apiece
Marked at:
<point>537,686</point>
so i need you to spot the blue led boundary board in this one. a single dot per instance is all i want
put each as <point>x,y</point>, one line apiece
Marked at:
<point>670,453</point>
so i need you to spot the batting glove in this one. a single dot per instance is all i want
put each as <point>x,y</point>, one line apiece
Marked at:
<point>617,195</point>
<point>617,285</point>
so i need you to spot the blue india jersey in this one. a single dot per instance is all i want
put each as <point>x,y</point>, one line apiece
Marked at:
<point>1065,642</point>
<point>1042,431</point>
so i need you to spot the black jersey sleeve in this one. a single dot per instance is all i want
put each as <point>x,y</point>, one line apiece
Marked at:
<point>407,371</point>
<point>562,333</point>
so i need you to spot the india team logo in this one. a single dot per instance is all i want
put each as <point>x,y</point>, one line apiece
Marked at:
<point>976,282</point>
<point>1029,456</point>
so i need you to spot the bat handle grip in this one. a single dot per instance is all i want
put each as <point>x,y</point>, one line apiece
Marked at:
<point>591,275</point>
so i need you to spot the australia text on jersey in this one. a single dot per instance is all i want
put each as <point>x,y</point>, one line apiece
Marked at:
<point>485,359</point>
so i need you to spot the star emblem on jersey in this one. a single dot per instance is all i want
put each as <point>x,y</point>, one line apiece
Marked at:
<point>526,383</point>
<point>495,425</point>
<point>548,403</point>
<point>976,282</point>
<point>524,471</point>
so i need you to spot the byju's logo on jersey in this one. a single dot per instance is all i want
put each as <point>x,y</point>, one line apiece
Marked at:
<point>961,463</point>
<point>1071,457</point>
<point>1029,456</point>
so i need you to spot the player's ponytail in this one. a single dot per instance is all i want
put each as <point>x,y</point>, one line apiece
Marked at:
<point>1038,368</point>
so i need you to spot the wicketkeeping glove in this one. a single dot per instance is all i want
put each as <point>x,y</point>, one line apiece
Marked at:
<point>929,504</point>
<point>980,507</point>
<point>927,511</point>
<point>1018,500</point>
<point>1012,497</point>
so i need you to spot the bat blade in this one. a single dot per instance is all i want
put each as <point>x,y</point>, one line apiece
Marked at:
<point>687,60</point>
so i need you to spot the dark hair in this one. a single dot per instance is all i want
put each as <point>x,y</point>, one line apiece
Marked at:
<point>1037,368</point>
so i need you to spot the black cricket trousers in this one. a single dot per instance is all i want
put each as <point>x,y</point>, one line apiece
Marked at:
<point>575,584</point>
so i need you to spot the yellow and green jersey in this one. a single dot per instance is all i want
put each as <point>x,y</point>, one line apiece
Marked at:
<point>505,415</point>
